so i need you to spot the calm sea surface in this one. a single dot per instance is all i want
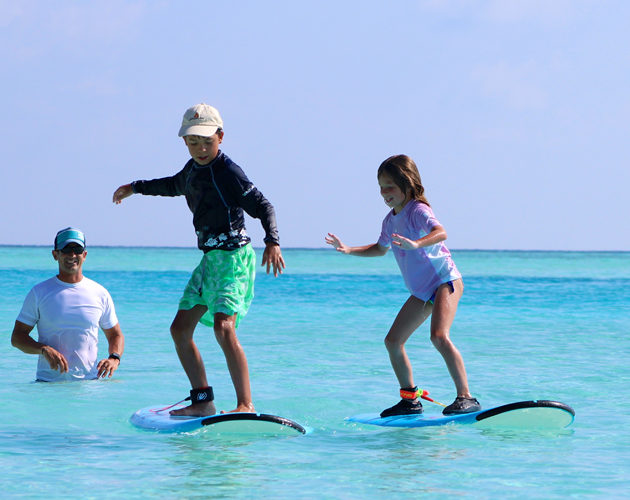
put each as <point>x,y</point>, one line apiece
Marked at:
<point>531,325</point>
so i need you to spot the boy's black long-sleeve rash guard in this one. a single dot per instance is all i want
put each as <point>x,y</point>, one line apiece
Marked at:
<point>216,194</point>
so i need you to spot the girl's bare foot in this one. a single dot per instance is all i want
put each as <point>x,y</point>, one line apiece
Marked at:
<point>196,410</point>
<point>243,408</point>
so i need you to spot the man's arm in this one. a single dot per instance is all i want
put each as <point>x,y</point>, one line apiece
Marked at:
<point>21,339</point>
<point>116,341</point>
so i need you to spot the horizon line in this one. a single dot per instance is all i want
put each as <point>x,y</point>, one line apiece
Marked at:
<point>2,245</point>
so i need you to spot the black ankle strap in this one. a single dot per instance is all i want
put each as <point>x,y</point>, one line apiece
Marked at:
<point>201,395</point>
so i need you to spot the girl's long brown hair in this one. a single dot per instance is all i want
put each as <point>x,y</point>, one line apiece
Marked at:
<point>404,172</point>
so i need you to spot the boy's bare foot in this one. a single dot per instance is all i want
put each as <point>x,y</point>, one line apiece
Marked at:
<point>243,408</point>
<point>196,410</point>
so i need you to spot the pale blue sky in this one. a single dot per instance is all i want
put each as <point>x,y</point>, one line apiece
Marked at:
<point>517,113</point>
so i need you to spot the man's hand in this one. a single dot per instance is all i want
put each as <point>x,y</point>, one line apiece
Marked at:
<point>56,360</point>
<point>107,367</point>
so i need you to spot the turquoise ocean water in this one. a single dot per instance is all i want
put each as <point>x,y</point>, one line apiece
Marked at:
<point>531,325</point>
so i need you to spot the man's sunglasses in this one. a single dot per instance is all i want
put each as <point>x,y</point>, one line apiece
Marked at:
<point>74,250</point>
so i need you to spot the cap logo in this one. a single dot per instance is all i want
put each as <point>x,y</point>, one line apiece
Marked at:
<point>200,119</point>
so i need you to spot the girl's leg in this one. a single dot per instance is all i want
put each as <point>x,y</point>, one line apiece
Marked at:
<point>182,330</point>
<point>444,309</point>
<point>225,333</point>
<point>409,318</point>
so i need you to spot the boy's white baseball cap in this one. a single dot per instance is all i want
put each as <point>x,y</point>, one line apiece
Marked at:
<point>202,120</point>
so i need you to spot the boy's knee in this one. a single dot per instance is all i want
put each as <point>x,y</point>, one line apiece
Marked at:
<point>224,331</point>
<point>177,333</point>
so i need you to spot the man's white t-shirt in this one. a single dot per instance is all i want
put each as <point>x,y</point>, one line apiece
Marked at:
<point>68,316</point>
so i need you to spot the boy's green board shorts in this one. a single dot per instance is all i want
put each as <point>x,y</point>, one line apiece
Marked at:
<point>223,282</point>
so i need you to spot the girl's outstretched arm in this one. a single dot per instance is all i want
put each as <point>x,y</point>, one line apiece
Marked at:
<point>437,234</point>
<point>373,250</point>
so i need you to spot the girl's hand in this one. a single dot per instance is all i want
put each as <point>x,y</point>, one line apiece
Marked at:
<point>121,193</point>
<point>331,239</point>
<point>404,243</point>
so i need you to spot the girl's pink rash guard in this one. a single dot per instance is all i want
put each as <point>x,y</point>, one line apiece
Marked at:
<point>424,269</point>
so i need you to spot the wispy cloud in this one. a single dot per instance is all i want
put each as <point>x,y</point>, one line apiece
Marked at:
<point>10,11</point>
<point>544,12</point>
<point>538,11</point>
<point>516,85</point>
<point>34,28</point>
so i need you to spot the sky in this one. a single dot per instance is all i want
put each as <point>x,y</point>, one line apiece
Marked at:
<point>516,112</point>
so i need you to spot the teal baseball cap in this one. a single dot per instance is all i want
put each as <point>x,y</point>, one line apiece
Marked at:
<point>69,235</point>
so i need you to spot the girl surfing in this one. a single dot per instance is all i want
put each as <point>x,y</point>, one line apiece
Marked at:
<point>417,240</point>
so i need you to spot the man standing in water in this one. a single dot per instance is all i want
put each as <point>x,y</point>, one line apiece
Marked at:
<point>68,310</point>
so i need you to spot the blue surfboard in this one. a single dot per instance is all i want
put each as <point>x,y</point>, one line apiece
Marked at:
<point>157,418</point>
<point>538,414</point>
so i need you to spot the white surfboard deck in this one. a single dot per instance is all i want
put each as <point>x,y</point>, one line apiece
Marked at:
<point>158,418</point>
<point>538,414</point>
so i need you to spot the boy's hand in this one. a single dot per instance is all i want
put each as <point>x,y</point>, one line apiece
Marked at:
<point>272,257</point>
<point>121,193</point>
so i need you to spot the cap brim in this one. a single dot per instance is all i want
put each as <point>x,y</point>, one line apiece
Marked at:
<point>200,130</point>
<point>65,243</point>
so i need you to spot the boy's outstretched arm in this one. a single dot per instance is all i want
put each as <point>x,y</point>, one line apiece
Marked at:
<point>121,193</point>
